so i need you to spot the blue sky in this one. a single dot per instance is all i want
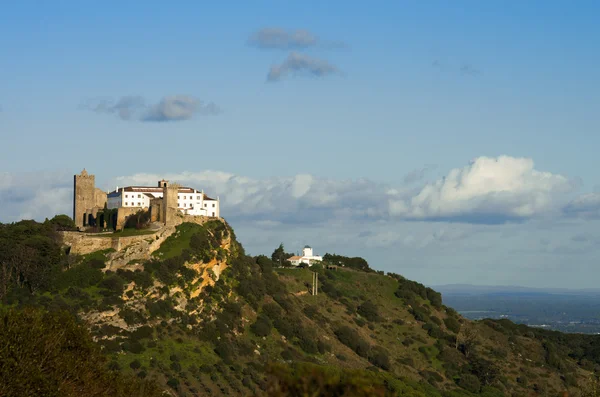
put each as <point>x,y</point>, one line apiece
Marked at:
<point>357,96</point>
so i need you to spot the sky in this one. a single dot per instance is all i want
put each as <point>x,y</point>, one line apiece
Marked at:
<point>451,142</point>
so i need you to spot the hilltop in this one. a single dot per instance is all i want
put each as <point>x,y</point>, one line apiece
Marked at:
<point>192,314</point>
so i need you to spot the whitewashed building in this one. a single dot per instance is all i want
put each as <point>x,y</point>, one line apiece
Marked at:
<point>189,201</point>
<point>307,257</point>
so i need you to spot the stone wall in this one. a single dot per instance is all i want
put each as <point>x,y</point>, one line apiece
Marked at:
<point>100,198</point>
<point>82,244</point>
<point>122,214</point>
<point>156,210</point>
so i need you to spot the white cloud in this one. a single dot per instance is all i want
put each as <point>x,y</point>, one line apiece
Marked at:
<point>493,189</point>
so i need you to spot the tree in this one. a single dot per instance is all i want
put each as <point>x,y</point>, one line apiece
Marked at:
<point>50,354</point>
<point>279,256</point>
<point>466,340</point>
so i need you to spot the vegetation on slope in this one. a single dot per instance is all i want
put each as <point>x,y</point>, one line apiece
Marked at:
<point>252,328</point>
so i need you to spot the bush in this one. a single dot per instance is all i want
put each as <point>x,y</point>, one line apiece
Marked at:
<point>262,326</point>
<point>352,339</point>
<point>469,382</point>
<point>135,364</point>
<point>380,358</point>
<point>133,346</point>
<point>369,311</point>
<point>173,383</point>
<point>452,324</point>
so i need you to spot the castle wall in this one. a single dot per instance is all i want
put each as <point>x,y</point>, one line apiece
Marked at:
<point>156,210</point>
<point>122,214</point>
<point>100,198</point>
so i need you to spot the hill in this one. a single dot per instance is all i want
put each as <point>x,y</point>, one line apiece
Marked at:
<point>194,315</point>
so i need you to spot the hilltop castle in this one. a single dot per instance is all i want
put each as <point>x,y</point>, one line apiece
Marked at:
<point>94,207</point>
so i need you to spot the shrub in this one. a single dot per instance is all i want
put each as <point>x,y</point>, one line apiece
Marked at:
<point>133,346</point>
<point>380,358</point>
<point>262,326</point>
<point>113,283</point>
<point>369,311</point>
<point>352,339</point>
<point>135,364</point>
<point>173,383</point>
<point>469,382</point>
<point>452,324</point>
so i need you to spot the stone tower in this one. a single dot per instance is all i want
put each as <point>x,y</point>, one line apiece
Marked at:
<point>170,191</point>
<point>84,187</point>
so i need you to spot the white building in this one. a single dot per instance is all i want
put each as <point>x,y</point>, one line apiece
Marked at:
<point>189,201</point>
<point>307,257</point>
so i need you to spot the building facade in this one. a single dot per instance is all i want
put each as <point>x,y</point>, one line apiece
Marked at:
<point>307,257</point>
<point>189,201</point>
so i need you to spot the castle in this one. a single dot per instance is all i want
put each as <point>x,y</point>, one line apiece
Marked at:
<point>94,207</point>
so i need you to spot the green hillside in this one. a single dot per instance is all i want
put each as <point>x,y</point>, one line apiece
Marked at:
<point>202,318</point>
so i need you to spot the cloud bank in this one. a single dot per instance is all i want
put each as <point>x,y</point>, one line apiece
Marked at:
<point>486,191</point>
<point>169,108</point>
<point>300,64</point>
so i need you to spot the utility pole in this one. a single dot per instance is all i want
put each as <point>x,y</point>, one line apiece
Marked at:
<point>315,280</point>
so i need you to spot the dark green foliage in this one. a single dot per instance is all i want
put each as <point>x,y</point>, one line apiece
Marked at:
<point>62,223</point>
<point>135,364</point>
<point>452,324</point>
<point>353,263</point>
<point>133,346</point>
<point>173,383</point>
<point>369,311</point>
<point>131,316</point>
<point>144,332</point>
<point>311,311</point>
<point>280,257</point>
<point>380,357</point>
<point>262,326</point>
<point>161,308</point>
<point>225,350</point>
<point>112,283</point>
<point>71,362</point>
<point>469,382</point>
<point>353,340</point>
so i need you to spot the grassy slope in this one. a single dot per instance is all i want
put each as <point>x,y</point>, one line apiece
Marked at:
<point>184,359</point>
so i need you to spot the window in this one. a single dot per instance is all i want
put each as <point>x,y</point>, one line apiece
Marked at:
<point>198,198</point>
<point>139,204</point>
<point>126,196</point>
<point>139,195</point>
<point>190,205</point>
<point>213,205</point>
<point>213,214</point>
<point>126,203</point>
<point>177,197</point>
<point>185,197</point>
<point>205,205</point>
